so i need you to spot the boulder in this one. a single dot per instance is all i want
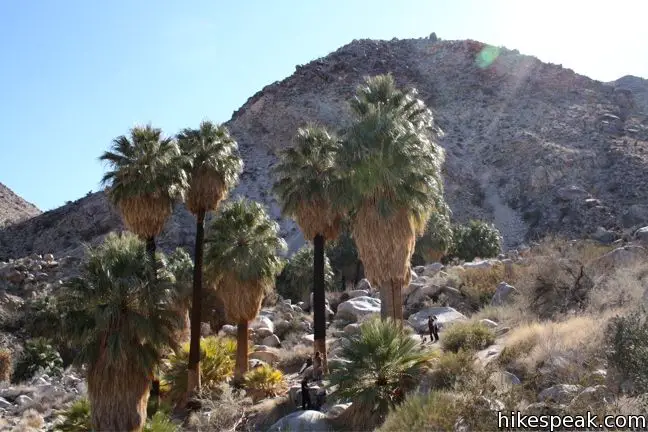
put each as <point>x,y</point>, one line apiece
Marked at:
<point>23,400</point>
<point>338,409</point>
<point>205,329</point>
<point>358,293</point>
<point>303,421</point>
<point>478,265</point>
<point>48,257</point>
<point>4,403</point>
<point>504,379</point>
<point>358,307</point>
<point>561,393</point>
<point>271,341</point>
<point>255,363</point>
<point>488,323</point>
<point>419,270</point>
<point>599,394</point>
<point>489,354</point>
<point>502,294</point>
<point>604,236</point>
<point>262,322</point>
<point>364,285</point>
<point>316,393</point>
<point>636,214</point>
<point>572,193</point>
<point>265,356</point>
<point>228,330</point>
<point>263,333</point>
<point>351,329</point>
<point>15,276</point>
<point>445,315</point>
<point>621,257</point>
<point>642,234</point>
<point>432,269</point>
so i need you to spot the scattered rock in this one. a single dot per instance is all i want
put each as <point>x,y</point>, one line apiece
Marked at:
<point>599,394</point>
<point>432,269</point>
<point>263,333</point>
<point>272,341</point>
<point>305,421</point>
<point>502,294</point>
<point>561,393</point>
<point>23,400</point>
<point>604,236</point>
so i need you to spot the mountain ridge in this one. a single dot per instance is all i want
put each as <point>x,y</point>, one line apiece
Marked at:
<point>14,208</point>
<point>531,146</point>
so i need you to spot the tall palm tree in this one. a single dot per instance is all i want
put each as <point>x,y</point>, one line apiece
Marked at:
<point>241,263</point>
<point>393,182</point>
<point>122,321</point>
<point>145,181</point>
<point>213,167</point>
<point>437,239</point>
<point>307,173</point>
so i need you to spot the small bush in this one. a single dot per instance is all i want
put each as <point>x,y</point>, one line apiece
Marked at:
<point>264,381</point>
<point>76,418</point>
<point>476,239</point>
<point>221,410</point>
<point>31,420</point>
<point>296,280</point>
<point>433,411</point>
<point>479,284</point>
<point>5,365</point>
<point>160,422</point>
<point>469,336</point>
<point>38,356</point>
<point>451,369</point>
<point>290,361</point>
<point>216,365</point>
<point>628,348</point>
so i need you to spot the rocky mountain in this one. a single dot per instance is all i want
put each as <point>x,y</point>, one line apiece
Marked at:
<point>639,88</point>
<point>533,147</point>
<point>13,208</point>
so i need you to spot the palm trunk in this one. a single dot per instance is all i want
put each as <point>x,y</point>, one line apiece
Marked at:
<point>155,385</point>
<point>319,299</point>
<point>391,301</point>
<point>357,273</point>
<point>241,366</point>
<point>193,380</point>
<point>385,301</point>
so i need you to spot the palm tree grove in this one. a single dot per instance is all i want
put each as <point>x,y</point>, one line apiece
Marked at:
<point>404,235</point>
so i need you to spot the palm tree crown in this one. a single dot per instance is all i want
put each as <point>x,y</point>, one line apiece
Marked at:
<point>243,247</point>
<point>212,163</point>
<point>307,173</point>
<point>146,178</point>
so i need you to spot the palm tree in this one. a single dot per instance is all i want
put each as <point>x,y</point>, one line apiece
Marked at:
<point>379,366</point>
<point>307,173</point>
<point>241,263</point>
<point>393,182</point>
<point>122,321</point>
<point>145,181</point>
<point>213,167</point>
<point>437,239</point>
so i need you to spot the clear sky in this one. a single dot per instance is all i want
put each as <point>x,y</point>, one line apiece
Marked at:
<point>75,74</point>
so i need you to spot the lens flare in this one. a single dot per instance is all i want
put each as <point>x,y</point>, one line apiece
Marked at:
<point>487,56</point>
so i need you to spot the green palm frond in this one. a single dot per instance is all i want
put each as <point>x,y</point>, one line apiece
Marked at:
<point>144,163</point>
<point>114,310</point>
<point>243,241</point>
<point>382,362</point>
<point>307,169</point>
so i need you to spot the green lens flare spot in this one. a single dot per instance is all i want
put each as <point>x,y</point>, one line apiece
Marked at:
<point>487,56</point>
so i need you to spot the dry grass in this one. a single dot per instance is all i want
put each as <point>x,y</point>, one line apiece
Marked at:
<point>469,336</point>
<point>222,410</point>
<point>479,284</point>
<point>5,365</point>
<point>623,289</point>
<point>551,353</point>
<point>290,361</point>
<point>449,370</point>
<point>509,315</point>
<point>31,421</point>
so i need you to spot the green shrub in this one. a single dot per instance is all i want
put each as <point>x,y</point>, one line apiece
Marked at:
<point>160,422</point>
<point>436,411</point>
<point>628,348</point>
<point>216,365</point>
<point>469,336</point>
<point>38,356</point>
<point>5,365</point>
<point>436,241</point>
<point>452,369</point>
<point>296,280</point>
<point>76,418</point>
<point>383,364</point>
<point>264,381</point>
<point>476,239</point>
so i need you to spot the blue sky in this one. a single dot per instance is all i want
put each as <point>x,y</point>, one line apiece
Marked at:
<point>75,74</point>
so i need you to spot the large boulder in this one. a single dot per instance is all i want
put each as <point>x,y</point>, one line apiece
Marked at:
<point>621,257</point>
<point>642,234</point>
<point>265,356</point>
<point>358,307</point>
<point>364,285</point>
<point>358,293</point>
<point>262,322</point>
<point>303,421</point>
<point>271,341</point>
<point>502,294</point>
<point>445,315</point>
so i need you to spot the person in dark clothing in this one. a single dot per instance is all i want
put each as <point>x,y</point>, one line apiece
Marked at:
<point>305,394</point>
<point>433,326</point>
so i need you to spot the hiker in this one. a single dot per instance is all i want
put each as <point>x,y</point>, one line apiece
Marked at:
<point>317,366</point>
<point>305,395</point>
<point>433,326</point>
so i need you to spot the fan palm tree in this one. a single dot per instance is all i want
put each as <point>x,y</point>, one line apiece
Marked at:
<point>437,239</point>
<point>122,320</point>
<point>145,181</point>
<point>307,173</point>
<point>241,263</point>
<point>213,167</point>
<point>393,182</point>
<point>380,365</point>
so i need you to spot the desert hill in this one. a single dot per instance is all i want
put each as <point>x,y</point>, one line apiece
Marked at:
<point>533,147</point>
<point>13,208</point>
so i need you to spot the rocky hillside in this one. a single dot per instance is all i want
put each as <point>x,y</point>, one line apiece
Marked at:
<point>531,146</point>
<point>639,88</point>
<point>13,208</point>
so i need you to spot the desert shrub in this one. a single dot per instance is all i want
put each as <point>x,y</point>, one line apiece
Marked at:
<point>296,280</point>
<point>437,410</point>
<point>290,361</point>
<point>160,422</point>
<point>479,284</point>
<point>284,328</point>
<point>38,356</point>
<point>5,364</point>
<point>75,418</point>
<point>221,410</point>
<point>623,289</point>
<point>475,239</point>
<point>450,369</point>
<point>383,364</point>
<point>469,336</point>
<point>628,348</point>
<point>31,420</point>
<point>264,381</point>
<point>217,356</point>
<point>436,241</point>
